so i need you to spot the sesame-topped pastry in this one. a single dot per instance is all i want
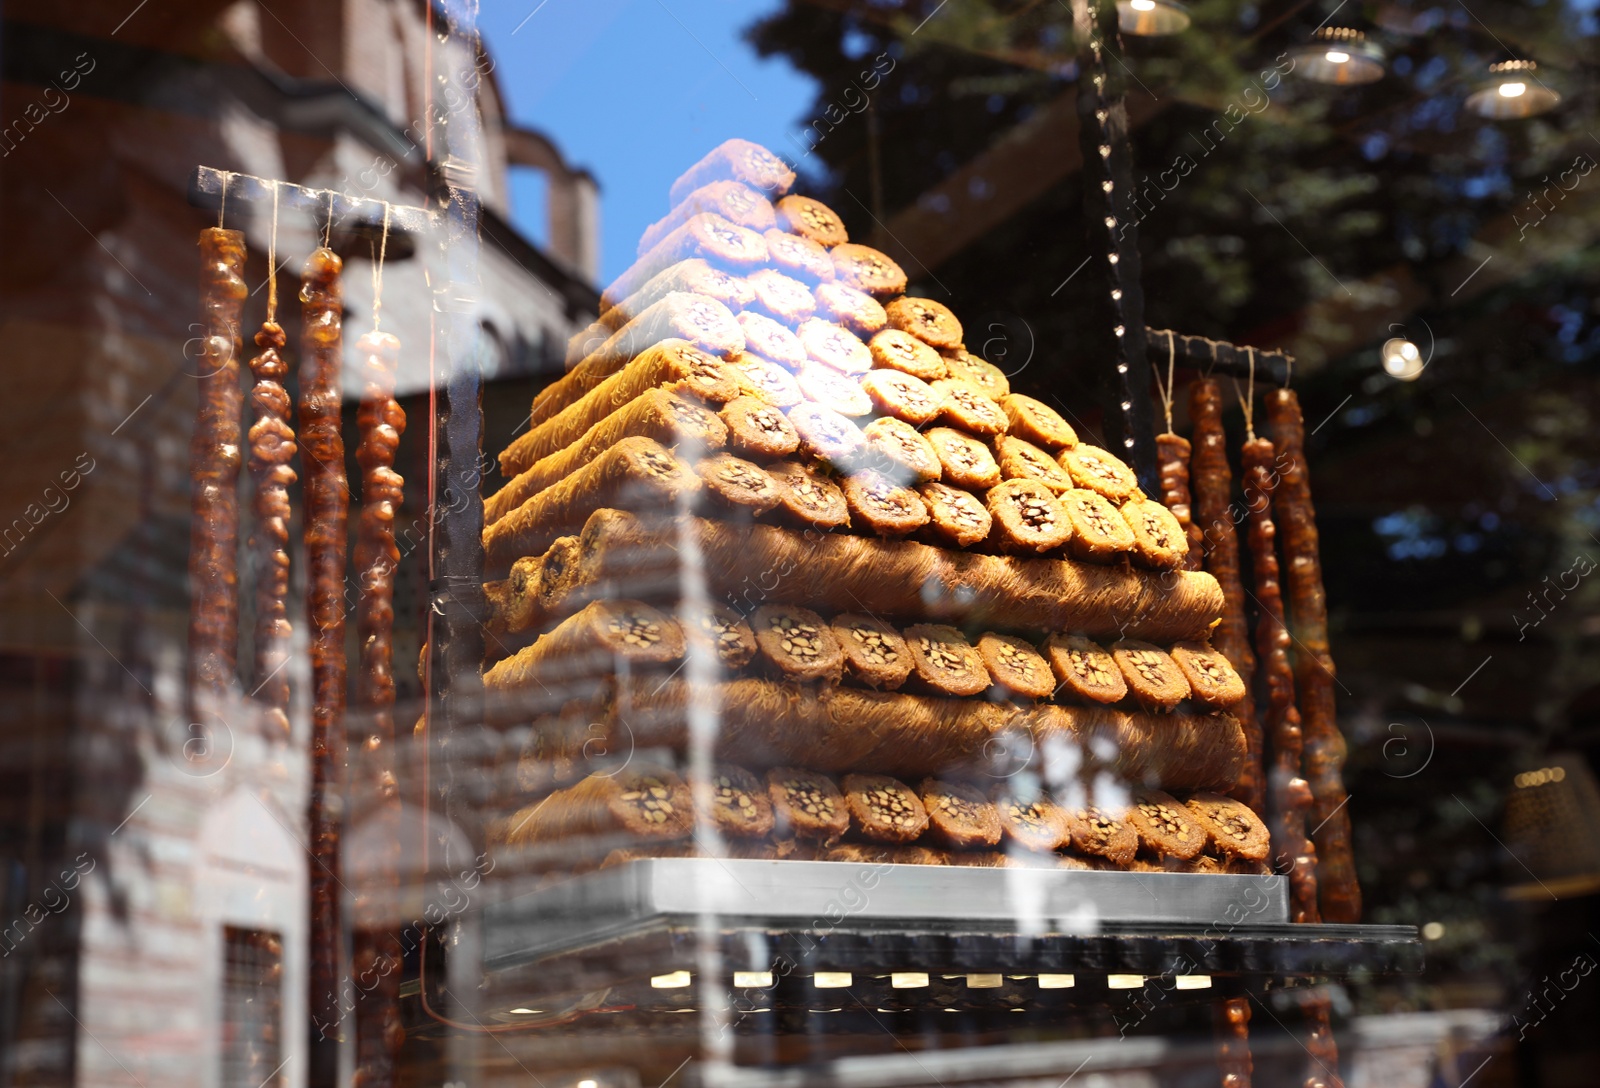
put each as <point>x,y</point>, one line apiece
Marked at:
<point>806,805</point>
<point>903,396</point>
<point>796,644</point>
<point>722,631</point>
<point>1153,677</point>
<point>770,340</point>
<point>1016,667</point>
<point>1102,833</point>
<point>828,435</point>
<point>1022,460</point>
<point>1037,422</point>
<point>884,809</point>
<point>896,349</point>
<point>1099,533</point>
<point>799,257</point>
<point>867,269</point>
<point>733,200</point>
<point>943,661</point>
<point>966,406</point>
<point>828,387</point>
<point>874,652</point>
<point>1232,828</point>
<point>758,429</point>
<point>927,320</point>
<point>966,461</point>
<point>809,498</point>
<point>832,346</point>
<point>979,373</point>
<point>1028,519</point>
<point>764,379</point>
<point>1084,670</point>
<point>1165,825</point>
<point>1158,539</point>
<point>954,516</point>
<point>1212,679</point>
<point>1099,471</point>
<point>782,298</point>
<point>880,505</point>
<point>812,219</point>
<point>902,452</point>
<point>855,310</point>
<point>735,160</point>
<point>732,484</point>
<point>740,806</point>
<point>959,815</point>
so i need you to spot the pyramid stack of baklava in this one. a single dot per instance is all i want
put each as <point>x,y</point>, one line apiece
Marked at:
<point>777,526</point>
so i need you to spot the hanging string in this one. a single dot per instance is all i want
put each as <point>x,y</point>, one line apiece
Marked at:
<point>1165,390</point>
<point>1247,400</point>
<point>223,206</point>
<point>327,228</point>
<point>377,270</point>
<point>272,260</point>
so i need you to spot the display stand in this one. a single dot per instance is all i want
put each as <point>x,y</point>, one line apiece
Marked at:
<point>926,938</point>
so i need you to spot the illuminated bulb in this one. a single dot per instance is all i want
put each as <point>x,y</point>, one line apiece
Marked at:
<point>1057,982</point>
<point>831,980</point>
<point>588,1084</point>
<point>1336,56</point>
<point>1124,982</point>
<point>1193,982</point>
<point>1512,90</point>
<point>672,980</point>
<point>1402,360</point>
<point>983,982</point>
<point>1143,5</point>
<point>1151,18</point>
<point>908,980</point>
<point>525,1012</point>
<point>752,979</point>
<point>1433,931</point>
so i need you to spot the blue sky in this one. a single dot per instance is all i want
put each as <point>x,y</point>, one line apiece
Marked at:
<point>636,91</point>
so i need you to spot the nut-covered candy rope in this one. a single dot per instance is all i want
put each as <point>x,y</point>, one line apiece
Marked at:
<point>1233,1042</point>
<point>1339,893</point>
<point>214,460</point>
<point>327,500</point>
<point>1214,516</point>
<point>1280,719</point>
<point>272,447</point>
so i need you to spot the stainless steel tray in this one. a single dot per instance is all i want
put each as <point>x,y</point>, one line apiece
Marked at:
<point>815,895</point>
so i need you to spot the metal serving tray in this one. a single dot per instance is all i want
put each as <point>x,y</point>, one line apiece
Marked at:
<point>813,895</point>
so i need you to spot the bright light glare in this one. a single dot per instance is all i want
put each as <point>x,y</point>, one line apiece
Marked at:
<point>1336,56</point>
<point>1401,359</point>
<point>1512,90</point>
<point>1433,931</point>
<point>1143,5</point>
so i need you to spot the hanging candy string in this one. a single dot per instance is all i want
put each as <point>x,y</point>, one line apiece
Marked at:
<point>1247,400</point>
<point>272,261</point>
<point>327,228</point>
<point>222,206</point>
<point>1166,390</point>
<point>377,270</point>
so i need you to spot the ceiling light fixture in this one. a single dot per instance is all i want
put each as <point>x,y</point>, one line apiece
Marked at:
<point>1341,56</point>
<point>1152,18</point>
<point>1512,91</point>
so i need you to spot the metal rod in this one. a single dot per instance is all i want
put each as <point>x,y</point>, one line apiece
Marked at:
<point>207,184</point>
<point>1220,357</point>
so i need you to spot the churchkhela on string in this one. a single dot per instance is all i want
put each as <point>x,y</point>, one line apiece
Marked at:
<point>375,789</point>
<point>214,459</point>
<point>1288,794</point>
<point>272,447</point>
<point>1214,514</point>
<point>1339,894</point>
<point>326,516</point>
